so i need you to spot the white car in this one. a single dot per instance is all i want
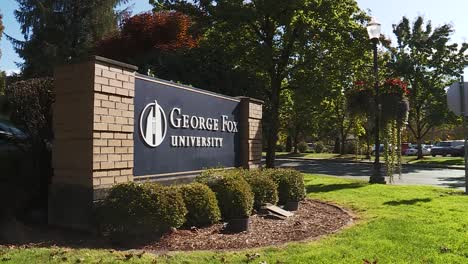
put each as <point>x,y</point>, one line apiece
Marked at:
<point>426,150</point>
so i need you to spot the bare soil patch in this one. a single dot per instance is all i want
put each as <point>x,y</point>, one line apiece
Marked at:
<point>313,219</point>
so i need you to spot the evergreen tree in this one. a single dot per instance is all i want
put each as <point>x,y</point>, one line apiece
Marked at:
<point>61,31</point>
<point>1,30</point>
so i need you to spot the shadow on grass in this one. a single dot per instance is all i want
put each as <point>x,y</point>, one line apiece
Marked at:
<point>319,188</point>
<point>408,202</point>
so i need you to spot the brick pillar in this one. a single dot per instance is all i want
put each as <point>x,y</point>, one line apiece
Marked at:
<point>251,132</point>
<point>93,146</point>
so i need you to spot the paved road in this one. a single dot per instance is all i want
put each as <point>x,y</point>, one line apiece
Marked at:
<point>412,175</point>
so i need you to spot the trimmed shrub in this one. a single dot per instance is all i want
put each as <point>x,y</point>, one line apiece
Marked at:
<point>135,209</point>
<point>235,197</point>
<point>171,209</point>
<point>263,188</point>
<point>201,203</point>
<point>302,147</point>
<point>126,210</point>
<point>319,147</point>
<point>290,184</point>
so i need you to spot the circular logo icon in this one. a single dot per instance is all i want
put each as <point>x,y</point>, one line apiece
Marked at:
<point>153,124</point>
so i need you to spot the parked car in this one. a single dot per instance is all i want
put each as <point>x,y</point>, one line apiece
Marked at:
<point>426,150</point>
<point>404,147</point>
<point>15,165</point>
<point>458,151</point>
<point>380,149</point>
<point>445,148</point>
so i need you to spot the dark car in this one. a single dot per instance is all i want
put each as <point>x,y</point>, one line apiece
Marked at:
<point>381,149</point>
<point>15,162</point>
<point>458,151</point>
<point>445,148</point>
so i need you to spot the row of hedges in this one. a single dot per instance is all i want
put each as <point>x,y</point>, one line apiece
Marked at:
<point>134,209</point>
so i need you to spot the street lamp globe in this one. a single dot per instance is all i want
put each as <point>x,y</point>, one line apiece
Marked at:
<point>373,28</point>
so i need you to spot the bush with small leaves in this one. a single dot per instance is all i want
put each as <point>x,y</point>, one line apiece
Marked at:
<point>302,147</point>
<point>319,147</point>
<point>201,204</point>
<point>263,188</point>
<point>170,203</point>
<point>134,209</point>
<point>235,197</point>
<point>127,209</point>
<point>290,184</point>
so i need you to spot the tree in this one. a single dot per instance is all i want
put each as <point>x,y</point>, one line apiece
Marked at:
<point>143,38</point>
<point>273,40</point>
<point>1,30</point>
<point>61,31</point>
<point>426,60</point>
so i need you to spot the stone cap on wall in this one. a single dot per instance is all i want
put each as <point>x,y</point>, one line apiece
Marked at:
<point>114,62</point>
<point>251,99</point>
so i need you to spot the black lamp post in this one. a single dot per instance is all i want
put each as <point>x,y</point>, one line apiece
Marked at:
<point>373,29</point>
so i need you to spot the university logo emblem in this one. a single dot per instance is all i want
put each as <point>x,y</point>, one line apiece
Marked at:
<point>153,124</point>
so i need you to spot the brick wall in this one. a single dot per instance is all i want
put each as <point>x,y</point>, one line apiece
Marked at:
<point>93,146</point>
<point>251,137</point>
<point>113,123</point>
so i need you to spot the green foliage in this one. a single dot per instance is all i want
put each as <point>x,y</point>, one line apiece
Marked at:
<point>201,205</point>
<point>279,45</point>
<point>31,102</point>
<point>427,60</point>
<point>290,184</point>
<point>235,197</point>
<point>60,31</point>
<point>127,209</point>
<point>2,81</point>
<point>302,147</point>
<point>319,147</point>
<point>136,209</point>
<point>263,188</point>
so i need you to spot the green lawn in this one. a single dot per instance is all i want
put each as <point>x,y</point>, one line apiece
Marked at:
<point>397,224</point>
<point>438,160</point>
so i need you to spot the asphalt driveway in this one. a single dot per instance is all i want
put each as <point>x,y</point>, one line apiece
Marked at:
<point>412,175</point>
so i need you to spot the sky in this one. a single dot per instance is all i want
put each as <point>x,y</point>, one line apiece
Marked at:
<point>12,28</point>
<point>388,12</point>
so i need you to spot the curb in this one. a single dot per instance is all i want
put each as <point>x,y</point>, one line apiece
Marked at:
<point>452,167</point>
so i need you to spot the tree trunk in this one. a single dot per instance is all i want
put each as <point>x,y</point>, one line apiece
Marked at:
<point>336,148</point>
<point>419,141</point>
<point>343,145</point>
<point>289,144</point>
<point>296,142</point>
<point>274,123</point>
<point>368,144</point>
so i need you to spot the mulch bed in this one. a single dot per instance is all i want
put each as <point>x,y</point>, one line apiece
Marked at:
<point>313,219</point>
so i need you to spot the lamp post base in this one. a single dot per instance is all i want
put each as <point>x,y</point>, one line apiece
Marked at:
<point>377,176</point>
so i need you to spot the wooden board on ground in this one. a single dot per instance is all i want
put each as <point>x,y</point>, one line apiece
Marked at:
<point>277,210</point>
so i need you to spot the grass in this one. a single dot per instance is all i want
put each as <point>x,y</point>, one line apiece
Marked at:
<point>397,224</point>
<point>439,160</point>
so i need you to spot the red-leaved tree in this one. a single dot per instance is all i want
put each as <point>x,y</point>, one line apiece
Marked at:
<point>142,37</point>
